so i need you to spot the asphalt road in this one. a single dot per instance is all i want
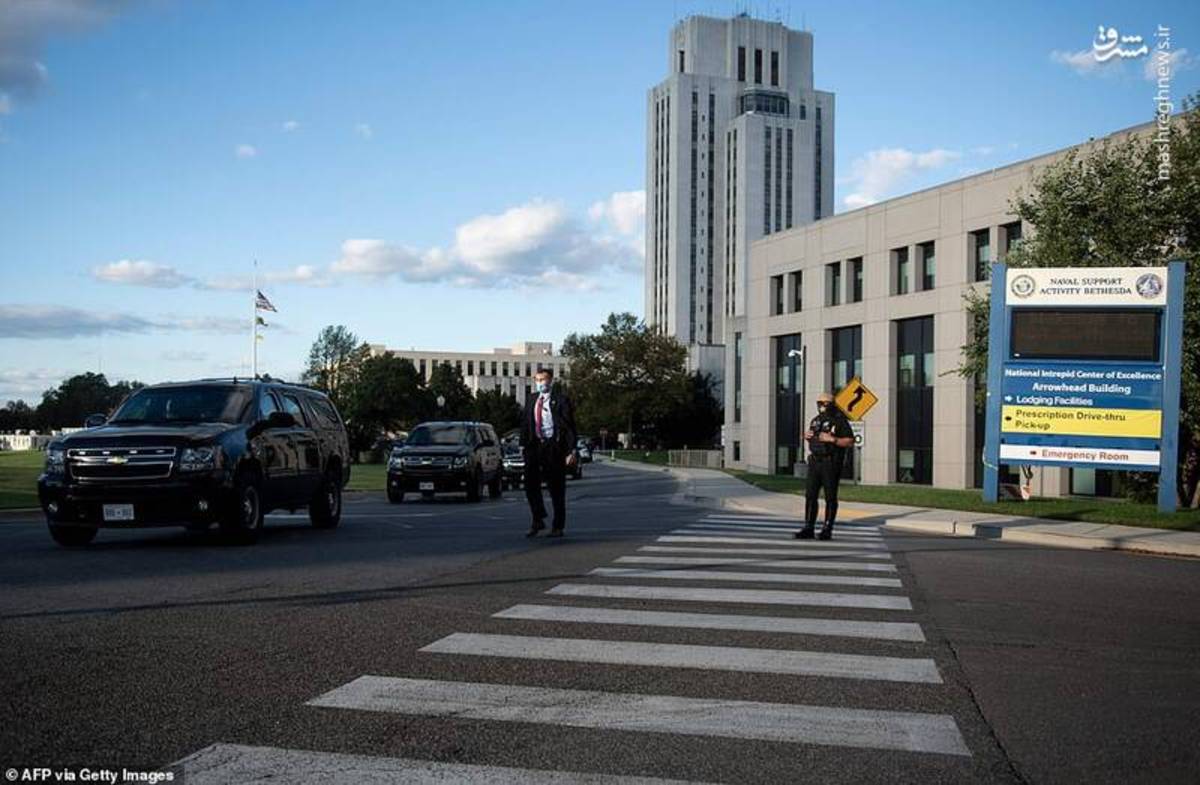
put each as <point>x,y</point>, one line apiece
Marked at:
<point>874,658</point>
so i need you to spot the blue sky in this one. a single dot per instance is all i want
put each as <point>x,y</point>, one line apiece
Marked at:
<point>435,175</point>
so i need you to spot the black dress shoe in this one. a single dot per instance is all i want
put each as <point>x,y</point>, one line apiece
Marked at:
<point>535,528</point>
<point>826,533</point>
<point>555,533</point>
<point>804,534</point>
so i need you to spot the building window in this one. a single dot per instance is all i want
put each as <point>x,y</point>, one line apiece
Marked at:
<point>529,369</point>
<point>1011,234</point>
<point>504,366</point>
<point>797,291</point>
<point>737,377</point>
<point>422,361</point>
<point>846,355</point>
<point>778,178</point>
<point>833,284</point>
<point>737,450</point>
<point>816,166</point>
<point>981,254</point>
<point>757,66</point>
<point>788,222</point>
<point>774,68</point>
<point>788,393</point>
<point>741,63</point>
<point>681,61</point>
<point>470,367</point>
<point>914,400</point>
<point>776,295</point>
<point>928,265</point>
<point>856,280</point>
<point>901,270</point>
<point>494,368</point>
<point>767,180</point>
<point>458,366</point>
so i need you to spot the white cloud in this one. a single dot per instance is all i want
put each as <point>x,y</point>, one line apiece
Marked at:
<point>364,130</point>
<point>141,273</point>
<point>880,172</point>
<point>1176,61</point>
<point>304,274</point>
<point>1083,62</point>
<point>245,151</point>
<point>290,125</point>
<point>26,26</point>
<point>55,321</point>
<point>625,211</point>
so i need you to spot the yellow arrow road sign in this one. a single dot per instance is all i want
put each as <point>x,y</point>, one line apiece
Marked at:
<point>855,399</point>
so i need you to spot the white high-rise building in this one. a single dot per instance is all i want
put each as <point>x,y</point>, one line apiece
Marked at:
<point>739,146</point>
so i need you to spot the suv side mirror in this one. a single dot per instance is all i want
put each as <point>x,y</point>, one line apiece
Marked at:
<point>94,420</point>
<point>280,420</point>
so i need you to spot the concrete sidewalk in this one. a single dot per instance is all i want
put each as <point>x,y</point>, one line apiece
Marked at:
<point>718,489</point>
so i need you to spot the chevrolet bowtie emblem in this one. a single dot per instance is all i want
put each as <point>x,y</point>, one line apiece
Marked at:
<point>117,459</point>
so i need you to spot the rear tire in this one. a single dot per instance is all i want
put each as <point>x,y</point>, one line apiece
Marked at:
<point>325,510</point>
<point>72,536</point>
<point>243,521</point>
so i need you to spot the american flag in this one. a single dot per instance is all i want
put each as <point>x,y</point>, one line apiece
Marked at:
<point>262,303</point>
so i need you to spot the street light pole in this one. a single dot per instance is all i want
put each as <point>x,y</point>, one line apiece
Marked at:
<point>793,354</point>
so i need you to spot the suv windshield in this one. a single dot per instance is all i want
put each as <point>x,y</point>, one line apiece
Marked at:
<point>202,403</point>
<point>430,435</point>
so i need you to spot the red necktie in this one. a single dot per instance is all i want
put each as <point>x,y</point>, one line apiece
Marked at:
<point>537,416</point>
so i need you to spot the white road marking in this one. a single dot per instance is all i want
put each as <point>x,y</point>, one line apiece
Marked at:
<point>788,519</point>
<point>797,564</point>
<point>883,630</point>
<point>780,722</point>
<point>832,545</point>
<point>769,531</point>
<point>745,596</point>
<point>219,764</point>
<point>829,664</point>
<point>744,577</point>
<point>807,552</point>
<point>784,523</point>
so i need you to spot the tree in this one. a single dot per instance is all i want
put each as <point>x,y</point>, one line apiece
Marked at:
<point>79,396</point>
<point>498,408</point>
<point>697,421</point>
<point>446,381</point>
<point>17,416</point>
<point>626,376</point>
<point>387,396</point>
<point>334,360</point>
<point>1108,207</point>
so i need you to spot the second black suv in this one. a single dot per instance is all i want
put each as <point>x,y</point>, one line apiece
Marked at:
<point>197,453</point>
<point>441,457</point>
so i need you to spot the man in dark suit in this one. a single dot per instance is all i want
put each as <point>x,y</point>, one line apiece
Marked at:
<point>548,436</point>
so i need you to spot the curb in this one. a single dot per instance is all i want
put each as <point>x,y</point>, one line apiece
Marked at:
<point>1014,534</point>
<point>20,515</point>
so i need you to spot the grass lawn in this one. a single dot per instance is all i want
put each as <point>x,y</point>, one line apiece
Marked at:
<point>1090,510</point>
<point>368,477</point>
<point>18,478</point>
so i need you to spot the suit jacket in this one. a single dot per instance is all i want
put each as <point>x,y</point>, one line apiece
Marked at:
<point>563,412</point>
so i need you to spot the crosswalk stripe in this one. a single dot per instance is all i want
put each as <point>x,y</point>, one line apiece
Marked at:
<point>820,725</point>
<point>799,564</point>
<point>744,577</point>
<point>882,630</point>
<point>836,665</point>
<point>219,764</point>
<point>745,596</point>
<point>786,523</point>
<point>833,545</point>
<point>789,551</point>
<point>771,530</point>
<point>781,527</point>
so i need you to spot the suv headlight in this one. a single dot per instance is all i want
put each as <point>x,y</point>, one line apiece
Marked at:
<point>460,461</point>
<point>199,459</point>
<point>396,462</point>
<point>55,460</point>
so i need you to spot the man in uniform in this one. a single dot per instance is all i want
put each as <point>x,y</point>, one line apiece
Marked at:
<point>828,436</point>
<point>548,436</point>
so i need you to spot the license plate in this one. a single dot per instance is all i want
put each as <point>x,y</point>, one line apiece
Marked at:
<point>118,512</point>
<point>427,486</point>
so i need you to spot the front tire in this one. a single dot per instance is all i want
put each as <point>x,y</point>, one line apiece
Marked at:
<point>71,536</point>
<point>325,510</point>
<point>243,522</point>
<point>395,496</point>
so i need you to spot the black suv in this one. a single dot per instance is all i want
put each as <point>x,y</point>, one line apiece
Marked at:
<point>198,453</point>
<point>446,457</point>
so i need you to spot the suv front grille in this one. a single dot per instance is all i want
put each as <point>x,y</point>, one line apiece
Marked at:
<point>120,463</point>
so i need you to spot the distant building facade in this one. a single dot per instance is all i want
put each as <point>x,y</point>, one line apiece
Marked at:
<point>508,369</point>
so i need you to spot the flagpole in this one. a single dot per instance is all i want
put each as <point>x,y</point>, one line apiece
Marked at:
<point>254,324</point>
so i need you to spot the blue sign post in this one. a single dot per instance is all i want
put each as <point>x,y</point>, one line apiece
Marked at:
<point>1083,371</point>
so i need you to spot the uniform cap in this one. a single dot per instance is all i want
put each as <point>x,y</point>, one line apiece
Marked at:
<point>826,397</point>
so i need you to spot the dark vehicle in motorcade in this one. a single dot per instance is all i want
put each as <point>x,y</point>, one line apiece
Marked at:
<point>446,457</point>
<point>513,458</point>
<point>223,451</point>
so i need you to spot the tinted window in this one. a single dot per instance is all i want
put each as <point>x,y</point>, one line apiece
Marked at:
<point>200,403</point>
<point>326,415</point>
<point>266,405</point>
<point>292,407</point>
<point>437,434</point>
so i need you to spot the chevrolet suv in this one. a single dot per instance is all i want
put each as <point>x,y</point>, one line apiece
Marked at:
<point>199,453</point>
<point>446,457</point>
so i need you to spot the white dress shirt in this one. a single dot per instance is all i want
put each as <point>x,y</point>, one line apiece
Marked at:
<point>547,417</point>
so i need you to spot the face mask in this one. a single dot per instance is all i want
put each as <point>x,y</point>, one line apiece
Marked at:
<point>542,387</point>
